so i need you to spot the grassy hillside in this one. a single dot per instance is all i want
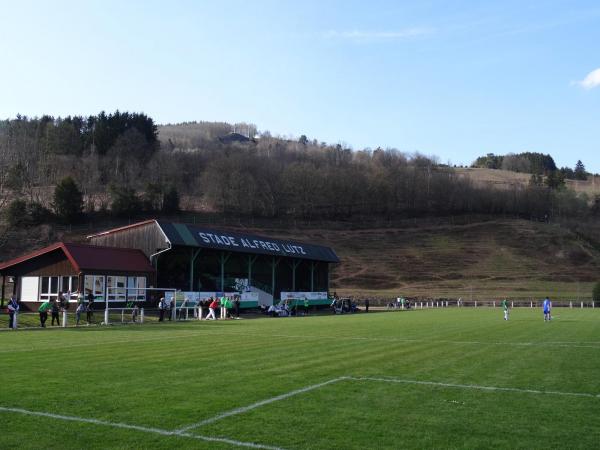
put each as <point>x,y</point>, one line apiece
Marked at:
<point>506,178</point>
<point>482,260</point>
<point>517,259</point>
<point>486,260</point>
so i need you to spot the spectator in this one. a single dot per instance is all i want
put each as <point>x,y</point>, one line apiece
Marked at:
<point>78,311</point>
<point>333,305</point>
<point>205,305</point>
<point>63,300</point>
<point>13,310</point>
<point>134,312</point>
<point>89,310</point>
<point>367,305</point>
<point>43,310</point>
<point>162,306</point>
<point>214,304</point>
<point>55,309</point>
<point>223,305</point>
<point>236,306</point>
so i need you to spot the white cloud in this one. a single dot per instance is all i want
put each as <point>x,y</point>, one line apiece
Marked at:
<point>591,81</point>
<point>361,35</point>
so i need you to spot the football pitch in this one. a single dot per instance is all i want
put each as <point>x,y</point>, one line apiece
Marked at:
<point>438,378</point>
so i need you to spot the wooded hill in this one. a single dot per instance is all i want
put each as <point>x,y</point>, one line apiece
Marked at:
<point>123,163</point>
<point>381,209</point>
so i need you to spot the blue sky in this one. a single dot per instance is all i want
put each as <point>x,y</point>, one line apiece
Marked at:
<point>454,79</point>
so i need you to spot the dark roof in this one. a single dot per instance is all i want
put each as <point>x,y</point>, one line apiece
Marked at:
<point>85,257</point>
<point>234,137</point>
<point>194,236</point>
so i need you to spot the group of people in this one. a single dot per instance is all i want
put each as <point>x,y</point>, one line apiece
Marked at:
<point>344,305</point>
<point>224,304</point>
<point>55,306</point>
<point>61,303</point>
<point>400,303</point>
<point>288,307</point>
<point>546,309</point>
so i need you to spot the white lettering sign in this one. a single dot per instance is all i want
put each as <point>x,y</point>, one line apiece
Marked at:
<point>270,246</point>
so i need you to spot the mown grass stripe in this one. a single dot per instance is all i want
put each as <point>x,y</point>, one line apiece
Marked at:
<point>474,386</point>
<point>244,409</point>
<point>138,428</point>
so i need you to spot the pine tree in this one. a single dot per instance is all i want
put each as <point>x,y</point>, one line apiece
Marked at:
<point>555,180</point>
<point>580,173</point>
<point>170,202</point>
<point>68,201</point>
<point>596,292</point>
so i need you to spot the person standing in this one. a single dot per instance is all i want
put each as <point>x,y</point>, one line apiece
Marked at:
<point>55,310</point>
<point>223,307</point>
<point>134,312</point>
<point>214,304</point>
<point>89,309</point>
<point>78,311</point>
<point>505,308</point>
<point>13,310</point>
<point>161,309</point>
<point>61,300</point>
<point>367,305</point>
<point>236,306</point>
<point>43,310</point>
<point>65,301</point>
<point>547,307</point>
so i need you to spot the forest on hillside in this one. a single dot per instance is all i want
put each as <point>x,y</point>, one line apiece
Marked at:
<point>124,164</point>
<point>537,164</point>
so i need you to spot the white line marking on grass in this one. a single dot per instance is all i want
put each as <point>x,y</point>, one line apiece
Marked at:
<point>474,386</point>
<point>138,428</point>
<point>287,395</point>
<point>244,409</point>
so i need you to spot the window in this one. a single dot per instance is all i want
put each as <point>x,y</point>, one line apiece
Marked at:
<point>116,288</point>
<point>45,283</point>
<point>54,285</point>
<point>30,289</point>
<point>66,284</point>
<point>95,285</point>
<point>69,284</point>
<point>48,288</point>
<point>74,284</point>
<point>134,283</point>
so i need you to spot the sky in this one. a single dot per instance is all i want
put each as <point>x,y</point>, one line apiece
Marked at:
<point>451,79</point>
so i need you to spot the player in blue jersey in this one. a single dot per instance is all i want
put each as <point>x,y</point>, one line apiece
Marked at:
<point>547,306</point>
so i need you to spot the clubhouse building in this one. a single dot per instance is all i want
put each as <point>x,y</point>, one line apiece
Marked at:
<point>122,264</point>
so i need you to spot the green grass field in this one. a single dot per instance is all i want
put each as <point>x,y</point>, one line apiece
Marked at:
<point>441,378</point>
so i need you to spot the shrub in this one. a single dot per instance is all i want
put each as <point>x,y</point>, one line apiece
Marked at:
<point>16,213</point>
<point>68,201</point>
<point>19,213</point>
<point>125,201</point>
<point>170,203</point>
<point>596,292</point>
